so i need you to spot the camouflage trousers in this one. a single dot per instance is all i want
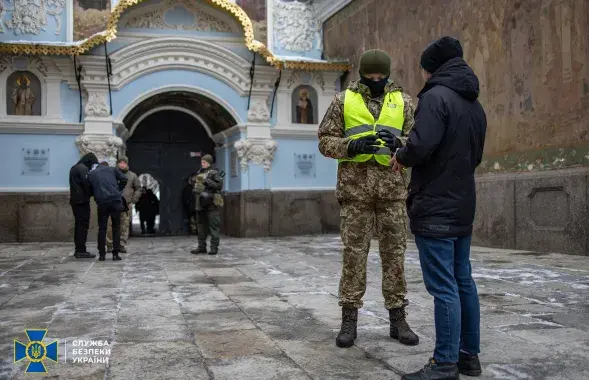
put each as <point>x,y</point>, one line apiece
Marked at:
<point>193,223</point>
<point>209,223</point>
<point>125,216</point>
<point>357,224</point>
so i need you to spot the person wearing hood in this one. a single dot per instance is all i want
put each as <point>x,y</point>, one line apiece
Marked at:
<point>80,194</point>
<point>444,149</point>
<point>208,199</point>
<point>131,195</point>
<point>371,196</point>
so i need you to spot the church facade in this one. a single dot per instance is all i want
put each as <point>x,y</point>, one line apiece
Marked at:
<point>165,82</point>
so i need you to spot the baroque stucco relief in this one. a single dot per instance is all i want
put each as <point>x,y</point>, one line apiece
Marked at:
<point>179,15</point>
<point>295,26</point>
<point>260,152</point>
<point>30,16</point>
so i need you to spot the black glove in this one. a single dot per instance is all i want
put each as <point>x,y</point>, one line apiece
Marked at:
<point>390,140</point>
<point>363,145</point>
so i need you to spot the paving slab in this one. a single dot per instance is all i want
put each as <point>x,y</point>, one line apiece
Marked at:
<point>268,309</point>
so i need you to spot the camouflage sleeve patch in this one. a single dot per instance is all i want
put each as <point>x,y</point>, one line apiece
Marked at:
<point>332,142</point>
<point>409,116</point>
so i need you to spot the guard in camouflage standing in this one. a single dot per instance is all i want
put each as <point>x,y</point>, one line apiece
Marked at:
<point>208,200</point>
<point>131,195</point>
<point>369,192</point>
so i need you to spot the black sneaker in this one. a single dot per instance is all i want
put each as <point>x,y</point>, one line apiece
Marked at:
<point>116,257</point>
<point>213,252</point>
<point>469,365</point>
<point>102,257</point>
<point>84,255</point>
<point>435,371</point>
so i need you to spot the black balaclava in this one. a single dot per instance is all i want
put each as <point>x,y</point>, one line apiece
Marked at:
<point>375,62</point>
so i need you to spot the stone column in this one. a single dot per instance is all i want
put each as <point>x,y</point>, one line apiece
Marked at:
<point>258,147</point>
<point>98,137</point>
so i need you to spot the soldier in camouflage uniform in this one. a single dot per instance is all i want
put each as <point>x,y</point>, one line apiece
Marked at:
<point>132,193</point>
<point>368,191</point>
<point>208,199</point>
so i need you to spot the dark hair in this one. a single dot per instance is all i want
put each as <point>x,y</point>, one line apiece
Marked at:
<point>104,163</point>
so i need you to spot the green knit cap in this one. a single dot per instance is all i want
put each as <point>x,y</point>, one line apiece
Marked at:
<point>375,62</point>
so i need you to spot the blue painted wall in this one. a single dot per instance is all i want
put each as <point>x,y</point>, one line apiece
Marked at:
<point>47,33</point>
<point>283,170</point>
<point>70,104</point>
<point>232,184</point>
<point>146,83</point>
<point>63,155</point>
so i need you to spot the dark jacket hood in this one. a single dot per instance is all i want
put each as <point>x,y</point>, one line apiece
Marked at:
<point>88,160</point>
<point>457,76</point>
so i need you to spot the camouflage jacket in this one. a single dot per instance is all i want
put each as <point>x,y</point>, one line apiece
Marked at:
<point>133,190</point>
<point>210,180</point>
<point>363,181</point>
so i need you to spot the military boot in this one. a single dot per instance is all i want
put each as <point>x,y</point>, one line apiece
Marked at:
<point>400,329</point>
<point>348,332</point>
<point>200,249</point>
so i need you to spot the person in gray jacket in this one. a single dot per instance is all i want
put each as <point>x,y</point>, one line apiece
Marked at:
<point>107,185</point>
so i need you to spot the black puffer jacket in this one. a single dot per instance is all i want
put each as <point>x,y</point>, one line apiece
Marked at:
<point>444,149</point>
<point>80,191</point>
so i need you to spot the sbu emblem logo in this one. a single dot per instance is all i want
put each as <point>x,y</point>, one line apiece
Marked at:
<point>35,351</point>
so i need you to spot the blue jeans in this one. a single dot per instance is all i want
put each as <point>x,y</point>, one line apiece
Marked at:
<point>445,264</point>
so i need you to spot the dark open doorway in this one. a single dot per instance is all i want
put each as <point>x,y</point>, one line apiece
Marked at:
<point>169,133</point>
<point>168,146</point>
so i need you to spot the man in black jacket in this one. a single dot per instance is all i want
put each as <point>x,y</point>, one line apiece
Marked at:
<point>80,193</point>
<point>108,184</point>
<point>444,148</point>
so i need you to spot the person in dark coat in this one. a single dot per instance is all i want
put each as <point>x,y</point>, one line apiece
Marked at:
<point>80,194</point>
<point>444,149</point>
<point>148,207</point>
<point>108,184</point>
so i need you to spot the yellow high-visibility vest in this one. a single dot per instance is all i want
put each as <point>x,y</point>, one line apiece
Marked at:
<point>359,122</point>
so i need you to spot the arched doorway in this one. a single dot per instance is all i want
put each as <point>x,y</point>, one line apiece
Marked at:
<point>169,133</point>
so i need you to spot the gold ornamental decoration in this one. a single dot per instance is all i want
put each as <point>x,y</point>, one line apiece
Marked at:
<point>78,48</point>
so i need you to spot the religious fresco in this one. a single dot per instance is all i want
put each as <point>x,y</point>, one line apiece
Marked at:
<point>24,90</point>
<point>90,17</point>
<point>304,105</point>
<point>257,12</point>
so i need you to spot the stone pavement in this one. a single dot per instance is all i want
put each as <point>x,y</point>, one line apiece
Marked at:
<point>267,309</point>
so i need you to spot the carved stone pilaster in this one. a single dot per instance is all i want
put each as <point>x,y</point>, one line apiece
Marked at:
<point>259,111</point>
<point>260,152</point>
<point>105,147</point>
<point>295,26</point>
<point>97,104</point>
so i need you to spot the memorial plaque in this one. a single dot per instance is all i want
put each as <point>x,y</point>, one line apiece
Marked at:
<point>304,165</point>
<point>35,161</point>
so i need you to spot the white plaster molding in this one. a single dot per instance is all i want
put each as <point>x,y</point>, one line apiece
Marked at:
<point>295,131</point>
<point>34,189</point>
<point>178,87</point>
<point>206,19</point>
<point>324,9</point>
<point>171,108</point>
<point>178,53</point>
<point>69,19</point>
<point>223,136</point>
<point>105,147</point>
<point>32,125</point>
<point>30,16</point>
<point>260,152</point>
<point>295,26</point>
<point>258,112</point>
<point>226,41</point>
<point>97,104</point>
